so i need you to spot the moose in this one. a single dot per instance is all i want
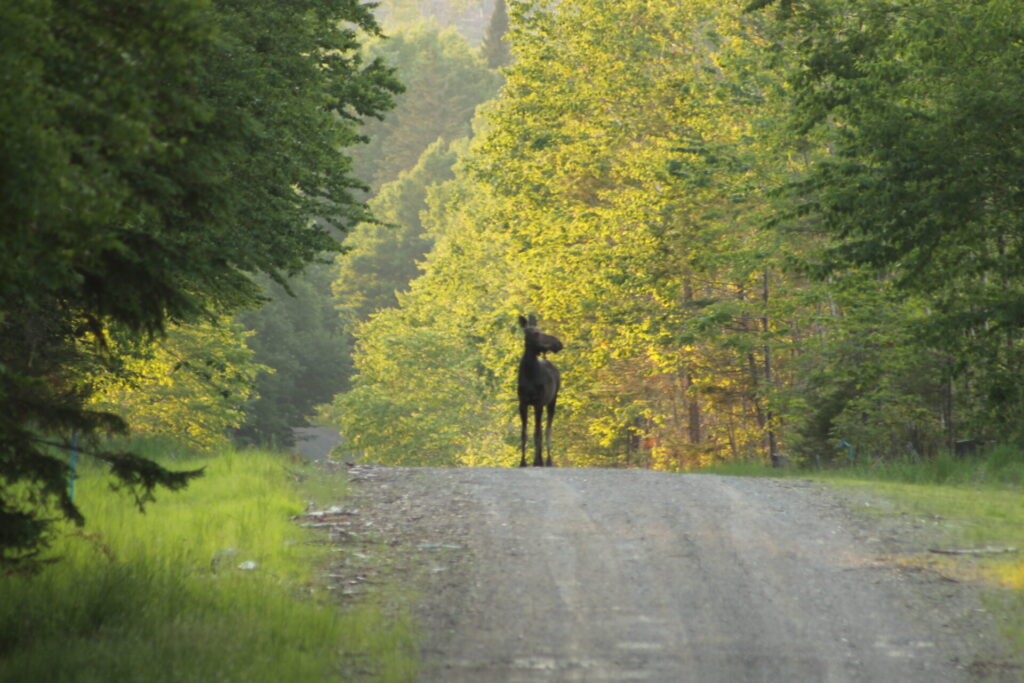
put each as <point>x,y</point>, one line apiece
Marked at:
<point>539,382</point>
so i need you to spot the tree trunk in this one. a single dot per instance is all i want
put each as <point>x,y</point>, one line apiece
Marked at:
<point>773,453</point>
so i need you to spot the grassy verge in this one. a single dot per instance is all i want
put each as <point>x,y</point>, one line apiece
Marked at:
<point>972,503</point>
<point>162,597</point>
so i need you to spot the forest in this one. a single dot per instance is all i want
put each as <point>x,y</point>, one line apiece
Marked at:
<point>785,231</point>
<point>771,231</point>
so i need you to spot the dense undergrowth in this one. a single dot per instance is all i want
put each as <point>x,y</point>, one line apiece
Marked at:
<point>215,583</point>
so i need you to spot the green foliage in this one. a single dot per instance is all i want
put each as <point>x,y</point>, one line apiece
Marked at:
<point>306,342</point>
<point>153,157</point>
<point>159,597</point>
<point>759,227</point>
<point>296,333</point>
<point>424,392</point>
<point>382,258</point>
<point>468,17</point>
<point>569,204</point>
<point>191,384</point>
<point>863,378</point>
<point>495,48</point>
<point>915,112</point>
<point>445,82</point>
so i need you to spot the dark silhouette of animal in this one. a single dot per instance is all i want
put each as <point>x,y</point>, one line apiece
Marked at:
<point>539,382</point>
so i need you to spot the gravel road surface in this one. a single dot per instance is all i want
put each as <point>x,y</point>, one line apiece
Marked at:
<point>625,575</point>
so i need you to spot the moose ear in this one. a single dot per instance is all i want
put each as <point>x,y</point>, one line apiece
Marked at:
<point>533,320</point>
<point>522,322</point>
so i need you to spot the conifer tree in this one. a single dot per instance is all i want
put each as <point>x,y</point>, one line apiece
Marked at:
<point>153,157</point>
<point>496,49</point>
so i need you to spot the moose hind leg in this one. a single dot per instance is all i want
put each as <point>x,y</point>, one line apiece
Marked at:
<point>538,439</point>
<point>547,430</point>
<point>524,415</point>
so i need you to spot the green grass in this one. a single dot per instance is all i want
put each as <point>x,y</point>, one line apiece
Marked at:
<point>159,596</point>
<point>974,502</point>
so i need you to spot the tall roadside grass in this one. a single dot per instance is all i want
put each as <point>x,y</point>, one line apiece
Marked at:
<point>972,503</point>
<point>1001,467</point>
<point>214,583</point>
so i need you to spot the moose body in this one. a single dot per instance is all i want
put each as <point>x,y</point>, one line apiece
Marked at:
<point>539,382</point>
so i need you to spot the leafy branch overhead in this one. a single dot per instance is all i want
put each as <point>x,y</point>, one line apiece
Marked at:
<point>154,157</point>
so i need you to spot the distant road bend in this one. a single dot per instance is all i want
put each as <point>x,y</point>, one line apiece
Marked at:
<point>624,575</point>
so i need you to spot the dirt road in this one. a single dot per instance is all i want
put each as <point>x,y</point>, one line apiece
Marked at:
<point>612,575</point>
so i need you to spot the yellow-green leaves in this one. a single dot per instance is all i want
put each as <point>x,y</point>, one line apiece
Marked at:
<point>191,385</point>
<point>571,204</point>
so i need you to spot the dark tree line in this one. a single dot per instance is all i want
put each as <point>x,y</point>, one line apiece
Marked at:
<point>153,158</point>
